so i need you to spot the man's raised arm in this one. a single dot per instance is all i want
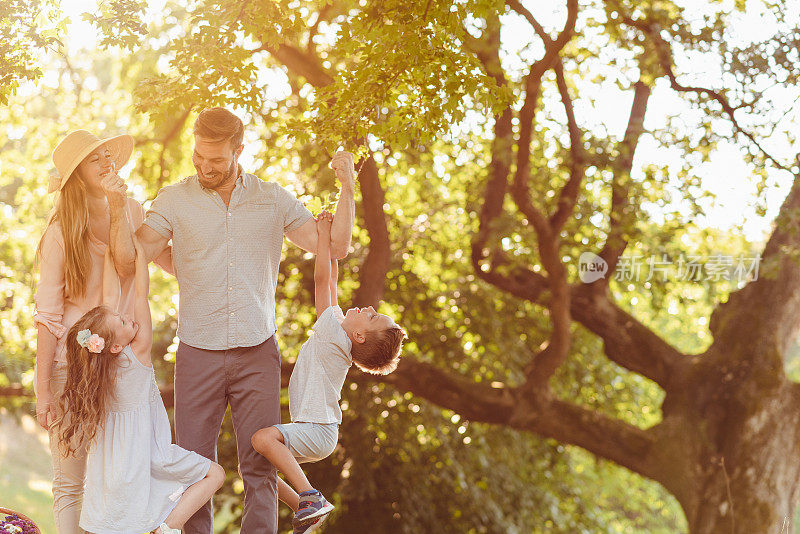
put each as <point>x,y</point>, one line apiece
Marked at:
<point>305,236</point>
<point>342,229</point>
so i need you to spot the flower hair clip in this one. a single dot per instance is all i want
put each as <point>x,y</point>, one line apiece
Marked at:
<point>91,342</point>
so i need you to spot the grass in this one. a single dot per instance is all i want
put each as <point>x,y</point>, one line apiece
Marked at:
<point>26,472</point>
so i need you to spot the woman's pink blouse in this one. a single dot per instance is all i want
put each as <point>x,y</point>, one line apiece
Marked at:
<point>57,311</point>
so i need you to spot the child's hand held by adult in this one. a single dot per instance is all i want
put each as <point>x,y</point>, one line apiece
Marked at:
<point>324,222</point>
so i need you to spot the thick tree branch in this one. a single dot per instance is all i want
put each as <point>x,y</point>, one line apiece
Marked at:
<point>768,308</point>
<point>372,273</point>
<point>476,401</point>
<point>301,63</point>
<point>621,209</point>
<point>520,191</point>
<point>569,193</point>
<point>627,342</point>
<point>552,46</point>
<point>604,436</point>
<point>520,281</point>
<point>517,280</point>
<point>550,358</point>
<point>488,51</point>
<point>599,434</point>
<point>16,390</point>
<point>533,82</point>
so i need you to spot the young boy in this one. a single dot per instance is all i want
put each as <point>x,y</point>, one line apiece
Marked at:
<point>362,336</point>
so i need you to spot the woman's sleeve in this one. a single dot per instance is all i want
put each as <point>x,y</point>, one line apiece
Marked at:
<point>49,299</point>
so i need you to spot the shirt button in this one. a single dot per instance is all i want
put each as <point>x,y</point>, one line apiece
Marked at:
<point>230,214</point>
<point>232,314</point>
<point>231,264</point>
<point>230,289</point>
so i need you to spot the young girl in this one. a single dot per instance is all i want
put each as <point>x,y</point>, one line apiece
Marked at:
<point>136,479</point>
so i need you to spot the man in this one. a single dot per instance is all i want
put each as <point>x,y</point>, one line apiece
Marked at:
<point>227,230</point>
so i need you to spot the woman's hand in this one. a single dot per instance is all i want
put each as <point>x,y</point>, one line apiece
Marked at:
<point>44,408</point>
<point>114,187</point>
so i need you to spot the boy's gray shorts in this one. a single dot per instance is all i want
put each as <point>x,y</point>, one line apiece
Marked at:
<point>310,442</point>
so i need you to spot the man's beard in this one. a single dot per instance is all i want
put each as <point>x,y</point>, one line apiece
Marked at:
<point>206,182</point>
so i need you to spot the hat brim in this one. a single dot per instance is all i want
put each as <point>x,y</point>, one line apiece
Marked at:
<point>120,146</point>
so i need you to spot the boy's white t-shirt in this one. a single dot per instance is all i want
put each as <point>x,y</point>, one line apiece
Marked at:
<point>315,387</point>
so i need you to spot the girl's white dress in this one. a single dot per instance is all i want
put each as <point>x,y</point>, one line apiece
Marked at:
<point>134,474</point>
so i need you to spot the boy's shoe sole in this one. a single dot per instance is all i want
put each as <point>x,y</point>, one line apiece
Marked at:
<point>325,510</point>
<point>318,524</point>
<point>311,525</point>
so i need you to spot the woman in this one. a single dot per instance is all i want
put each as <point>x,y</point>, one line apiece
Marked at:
<point>70,255</point>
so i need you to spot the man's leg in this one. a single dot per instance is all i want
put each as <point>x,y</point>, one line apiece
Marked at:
<point>255,403</point>
<point>200,404</point>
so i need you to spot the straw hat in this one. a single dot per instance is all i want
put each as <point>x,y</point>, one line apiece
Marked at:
<point>79,144</point>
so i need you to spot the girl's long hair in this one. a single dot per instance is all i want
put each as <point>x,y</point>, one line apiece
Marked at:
<point>82,407</point>
<point>72,212</point>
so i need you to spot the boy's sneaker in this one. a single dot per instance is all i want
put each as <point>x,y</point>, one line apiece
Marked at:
<point>313,509</point>
<point>311,526</point>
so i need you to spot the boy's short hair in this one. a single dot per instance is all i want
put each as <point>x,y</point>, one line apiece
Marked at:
<point>219,124</point>
<point>380,351</point>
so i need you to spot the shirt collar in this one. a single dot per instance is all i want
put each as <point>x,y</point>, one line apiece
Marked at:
<point>242,178</point>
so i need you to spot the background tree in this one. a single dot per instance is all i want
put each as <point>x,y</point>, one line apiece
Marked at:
<point>486,174</point>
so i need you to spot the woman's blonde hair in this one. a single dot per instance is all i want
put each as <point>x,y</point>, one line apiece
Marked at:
<point>82,407</point>
<point>72,213</point>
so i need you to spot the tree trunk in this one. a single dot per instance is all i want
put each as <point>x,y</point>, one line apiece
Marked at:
<point>733,443</point>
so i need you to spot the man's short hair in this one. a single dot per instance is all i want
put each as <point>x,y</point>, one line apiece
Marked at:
<point>219,124</point>
<point>380,352</point>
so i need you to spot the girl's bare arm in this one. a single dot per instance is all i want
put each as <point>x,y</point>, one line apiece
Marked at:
<point>111,287</point>
<point>143,341</point>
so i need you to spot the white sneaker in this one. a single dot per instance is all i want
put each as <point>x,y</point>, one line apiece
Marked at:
<point>166,530</point>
